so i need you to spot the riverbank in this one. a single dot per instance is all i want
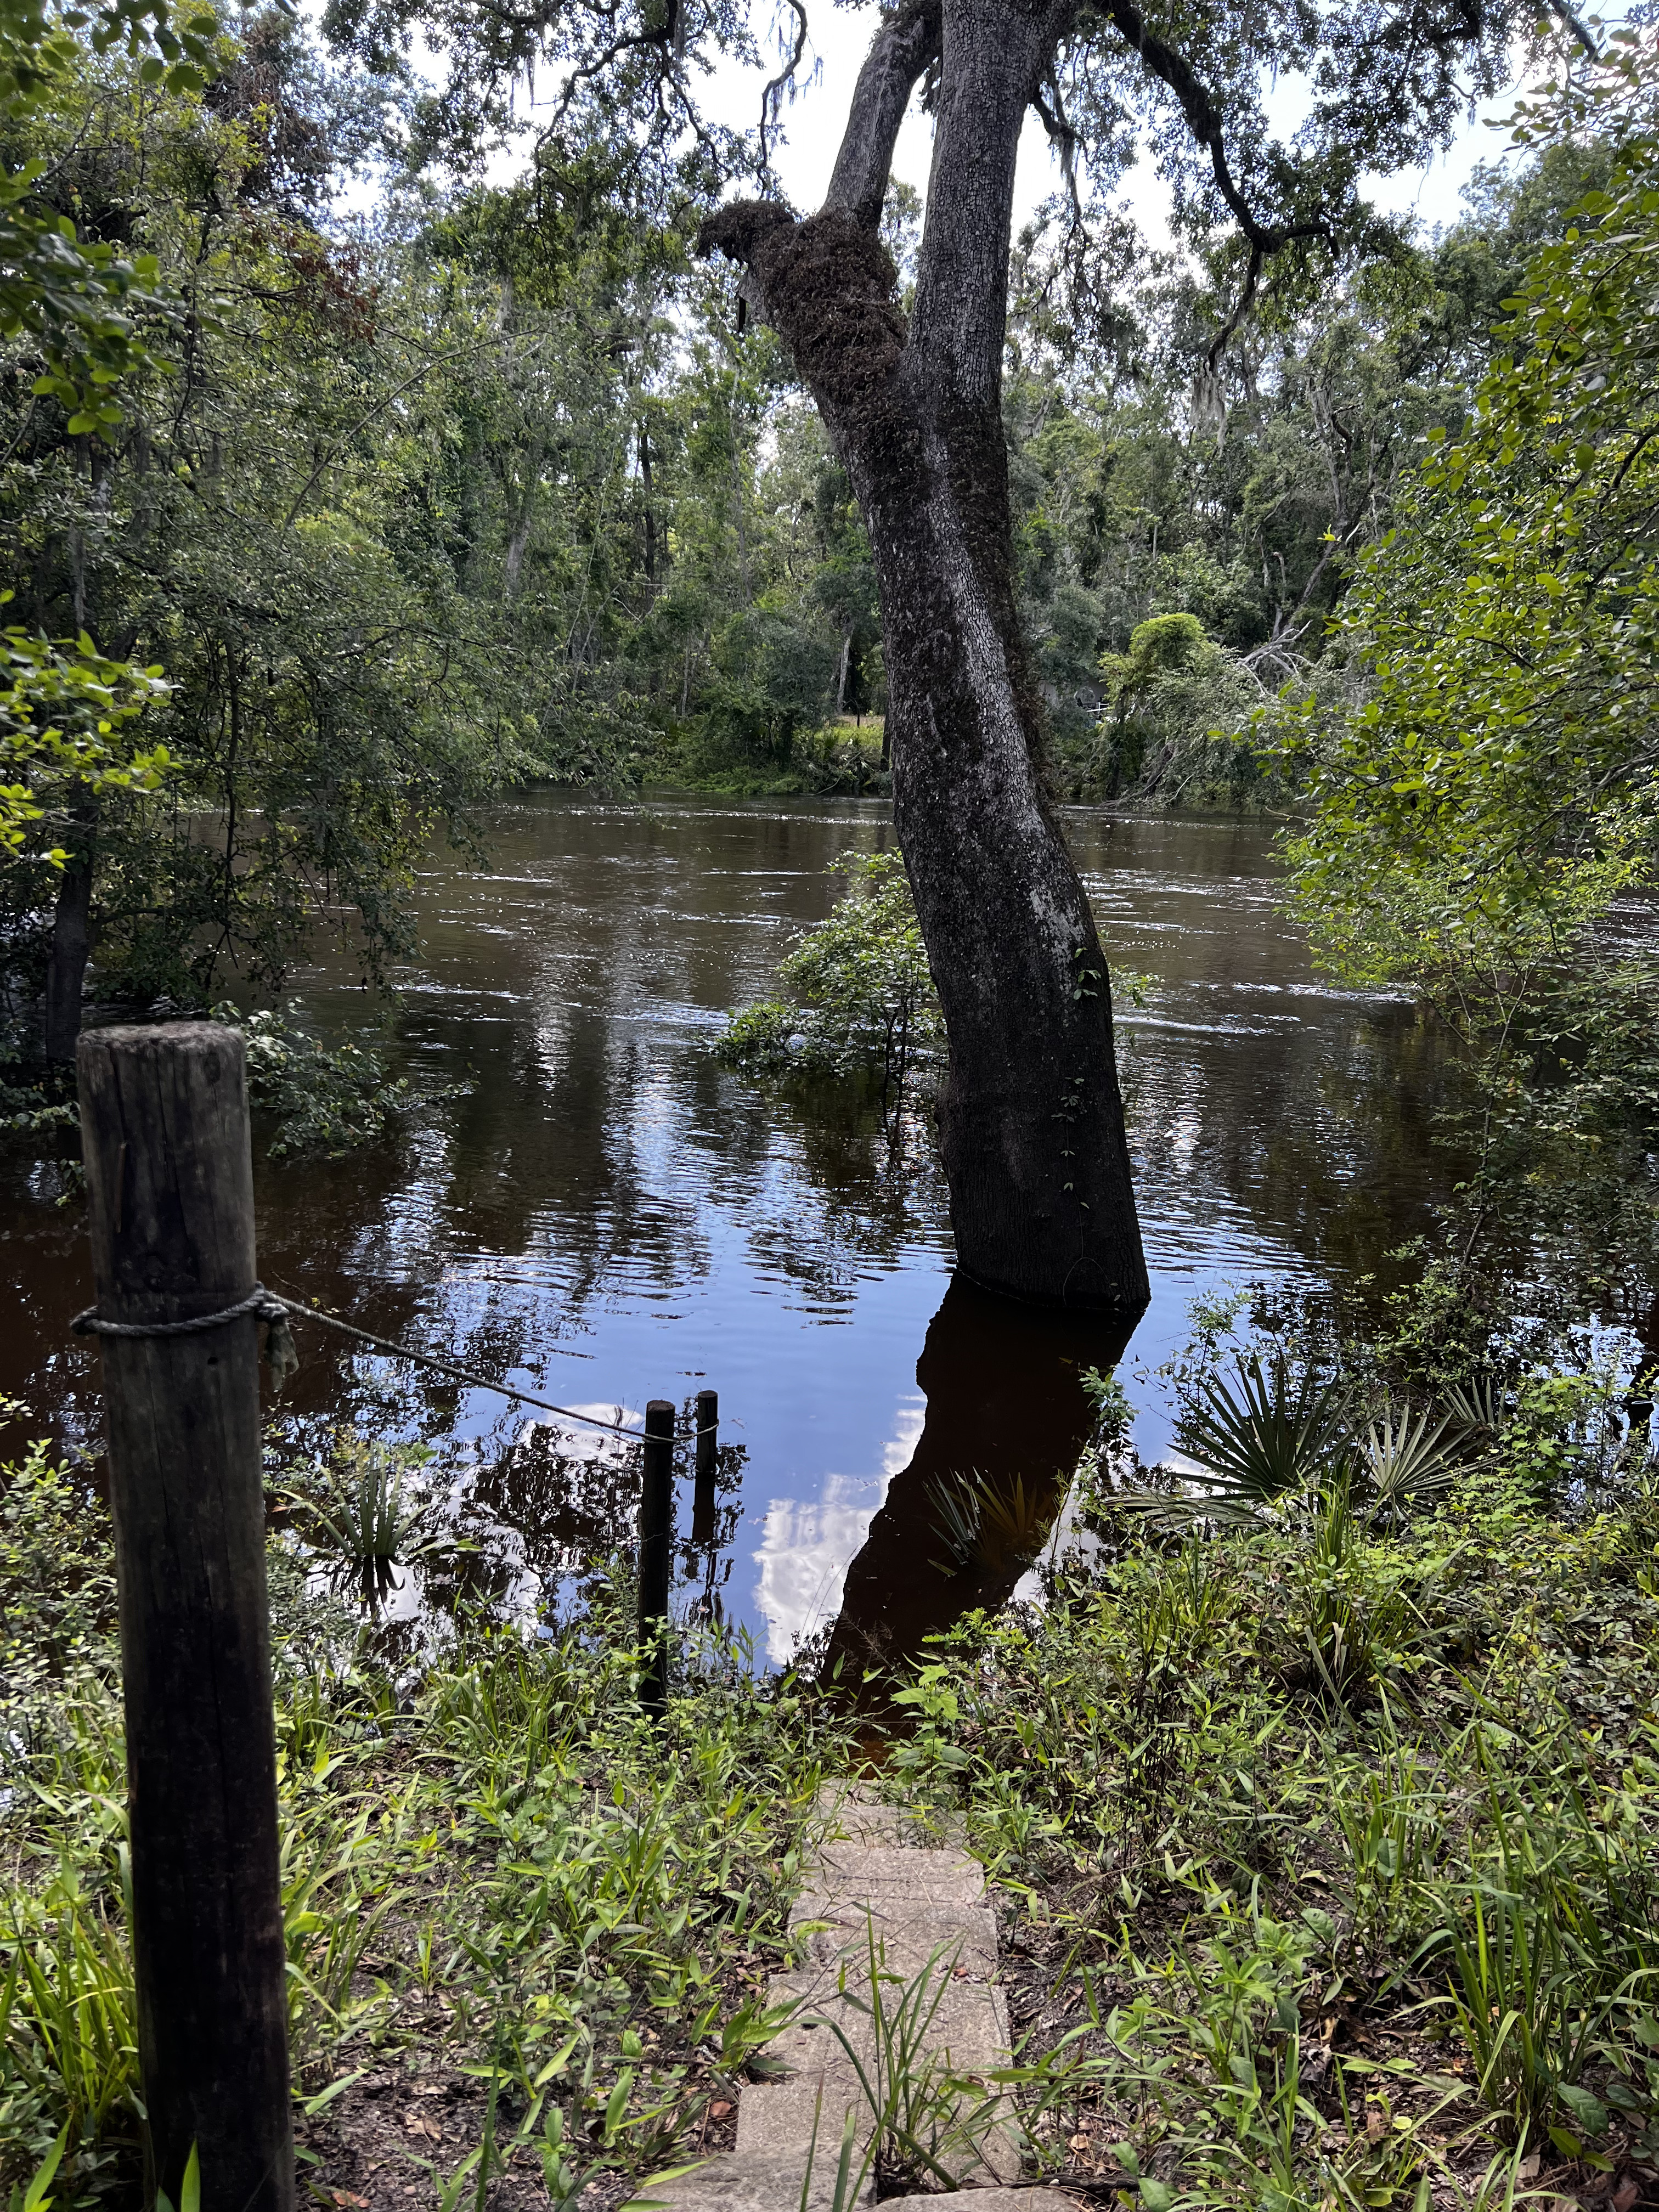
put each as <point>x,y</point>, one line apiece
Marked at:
<point>842,760</point>
<point>1323,1853</point>
<point>597,1212</point>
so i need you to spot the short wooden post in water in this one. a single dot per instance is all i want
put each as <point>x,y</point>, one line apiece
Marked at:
<point>170,1188</point>
<point>702,1496</point>
<point>656,1522</point>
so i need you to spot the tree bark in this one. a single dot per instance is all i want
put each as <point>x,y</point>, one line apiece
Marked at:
<point>1031,1118</point>
<point>518,541</point>
<point>650,513</point>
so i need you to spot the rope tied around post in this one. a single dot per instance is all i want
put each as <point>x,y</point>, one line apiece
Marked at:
<point>263,1304</point>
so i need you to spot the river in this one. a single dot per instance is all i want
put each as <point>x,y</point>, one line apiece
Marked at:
<point>604,1215</point>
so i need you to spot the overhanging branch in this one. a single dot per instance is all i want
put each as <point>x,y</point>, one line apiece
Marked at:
<point>772,97</point>
<point>1204,121</point>
<point>1064,139</point>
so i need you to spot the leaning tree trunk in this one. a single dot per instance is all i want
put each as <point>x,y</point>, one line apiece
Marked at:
<point>1031,1118</point>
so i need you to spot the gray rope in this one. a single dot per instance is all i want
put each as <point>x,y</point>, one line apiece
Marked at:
<point>264,1304</point>
<point>448,1367</point>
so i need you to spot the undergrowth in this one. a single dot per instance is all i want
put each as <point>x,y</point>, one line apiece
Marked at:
<point>1320,1801</point>
<point>1327,1836</point>
<point>528,1935</point>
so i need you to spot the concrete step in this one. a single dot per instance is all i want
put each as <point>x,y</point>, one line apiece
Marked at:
<point>877,1877</point>
<point>907,1932</point>
<point>848,1872</point>
<point>991,2200</point>
<point>861,1820</point>
<point>748,2182</point>
<point>965,2025</point>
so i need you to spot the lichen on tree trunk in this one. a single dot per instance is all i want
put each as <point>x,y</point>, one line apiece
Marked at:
<point>1031,1118</point>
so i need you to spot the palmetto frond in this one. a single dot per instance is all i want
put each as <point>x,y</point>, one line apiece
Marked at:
<point>1404,1457</point>
<point>982,1524</point>
<point>1255,1441</point>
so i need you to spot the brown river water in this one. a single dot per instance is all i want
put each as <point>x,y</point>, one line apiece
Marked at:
<point>604,1215</point>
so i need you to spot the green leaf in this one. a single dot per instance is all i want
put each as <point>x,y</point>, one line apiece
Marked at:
<point>1588,2110</point>
<point>36,2198</point>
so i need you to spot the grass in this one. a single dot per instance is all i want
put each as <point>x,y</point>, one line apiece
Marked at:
<point>1327,1851</point>
<point>363,1516</point>
<point>926,2125</point>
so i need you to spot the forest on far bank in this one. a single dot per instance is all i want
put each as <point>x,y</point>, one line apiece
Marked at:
<point>418,490</point>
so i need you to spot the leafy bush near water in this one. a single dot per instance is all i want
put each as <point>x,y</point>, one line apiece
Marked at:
<point>312,1097</point>
<point>494,1867</point>
<point>861,993</point>
<point>321,1099</point>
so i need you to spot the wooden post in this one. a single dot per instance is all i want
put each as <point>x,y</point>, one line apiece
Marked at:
<point>656,1522</point>
<point>170,1188</point>
<point>702,1497</point>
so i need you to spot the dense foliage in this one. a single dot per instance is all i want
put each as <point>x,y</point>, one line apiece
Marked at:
<point>385,512</point>
<point>1483,802</point>
<point>861,994</point>
<point>1498,777</point>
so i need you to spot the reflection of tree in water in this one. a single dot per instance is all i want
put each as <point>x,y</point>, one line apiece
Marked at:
<point>529,1144</point>
<point>847,1199</point>
<point>810,1175</point>
<point>1006,1406</point>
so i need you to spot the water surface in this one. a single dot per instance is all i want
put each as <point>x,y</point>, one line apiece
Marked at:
<point>606,1215</point>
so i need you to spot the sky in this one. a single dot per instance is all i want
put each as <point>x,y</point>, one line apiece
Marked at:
<point>840,36</point>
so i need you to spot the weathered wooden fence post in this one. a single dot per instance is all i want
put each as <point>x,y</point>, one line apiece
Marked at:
<point>702,1496</point>
<point>165,1132</point>
<point>656,1522</point>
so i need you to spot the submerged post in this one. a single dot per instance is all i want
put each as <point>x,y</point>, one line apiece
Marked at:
<point>656,1522</point>
<point>702,1496</point>
<point>170,1189</point>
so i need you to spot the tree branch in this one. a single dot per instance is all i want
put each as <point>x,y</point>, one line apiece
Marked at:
<point>1246,301</point>
<point>772,96</point>
<point>1204,121</point>
<point>900,50</point>
<point>1572,20</point>
<point>1064,139</point>
<point>996,58</point>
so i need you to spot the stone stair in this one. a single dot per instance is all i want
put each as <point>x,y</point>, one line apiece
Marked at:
<point>877,1883</point>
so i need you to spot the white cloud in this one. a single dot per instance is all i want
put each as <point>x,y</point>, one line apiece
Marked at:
<point>808,1544</point>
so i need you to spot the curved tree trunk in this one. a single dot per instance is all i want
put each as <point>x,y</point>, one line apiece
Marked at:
<point>1031,1118</point>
